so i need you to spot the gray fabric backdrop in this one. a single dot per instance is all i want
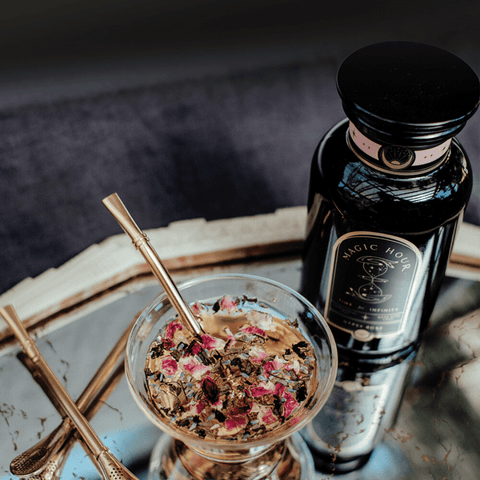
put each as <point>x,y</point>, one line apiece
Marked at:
<point>222,147</point>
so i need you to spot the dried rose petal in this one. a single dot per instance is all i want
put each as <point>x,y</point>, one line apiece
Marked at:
<point>195,368</point>
<point>168,344</point>
<point>274,364</point>
<point>169,366</point>
<point>200,407</point>
<point>259,391</point>
<point>172,328</point>
<point>226,303</point>
<point>279,389</point>
<point>257,355</point>
<point>194,349</point>
<point>268,417</point>
<point>253,329</point>
<point>209,342</point>
<point>231,338</point>
<point>235,421</point>
<point>290,405</point>
<point>210,390</point>
<point>197,308</point>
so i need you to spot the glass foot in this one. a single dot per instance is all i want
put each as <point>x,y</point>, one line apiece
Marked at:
<point>173,460</point>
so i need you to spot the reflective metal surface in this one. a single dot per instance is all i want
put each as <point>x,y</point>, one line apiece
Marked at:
<point>435,434</point>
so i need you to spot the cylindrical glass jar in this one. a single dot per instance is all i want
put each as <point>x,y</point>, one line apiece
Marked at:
<point>388,188</point>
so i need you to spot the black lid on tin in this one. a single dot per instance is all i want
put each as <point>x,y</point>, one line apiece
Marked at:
<point>407,93</point>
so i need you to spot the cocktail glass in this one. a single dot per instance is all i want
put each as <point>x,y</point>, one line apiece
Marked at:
<point>280,454</point>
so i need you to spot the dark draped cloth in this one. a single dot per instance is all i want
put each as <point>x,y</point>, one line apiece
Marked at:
<point>214,148</point>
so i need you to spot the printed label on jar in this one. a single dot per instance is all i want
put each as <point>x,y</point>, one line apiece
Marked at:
<point>372,279</point>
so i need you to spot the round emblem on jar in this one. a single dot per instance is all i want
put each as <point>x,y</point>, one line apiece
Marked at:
<point>396,158</point>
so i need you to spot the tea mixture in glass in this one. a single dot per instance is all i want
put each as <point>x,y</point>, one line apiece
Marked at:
<point>250,373</point>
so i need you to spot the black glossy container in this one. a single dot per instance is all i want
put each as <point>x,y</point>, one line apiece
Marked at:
<point>388,188</point>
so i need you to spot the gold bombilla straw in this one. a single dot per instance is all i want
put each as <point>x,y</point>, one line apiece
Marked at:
<point>47,451</point>
<point>108,466</point>
<point>53,467</point>
<point>141,242</point>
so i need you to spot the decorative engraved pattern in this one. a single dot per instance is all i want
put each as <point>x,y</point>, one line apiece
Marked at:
<point>396,158</point>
